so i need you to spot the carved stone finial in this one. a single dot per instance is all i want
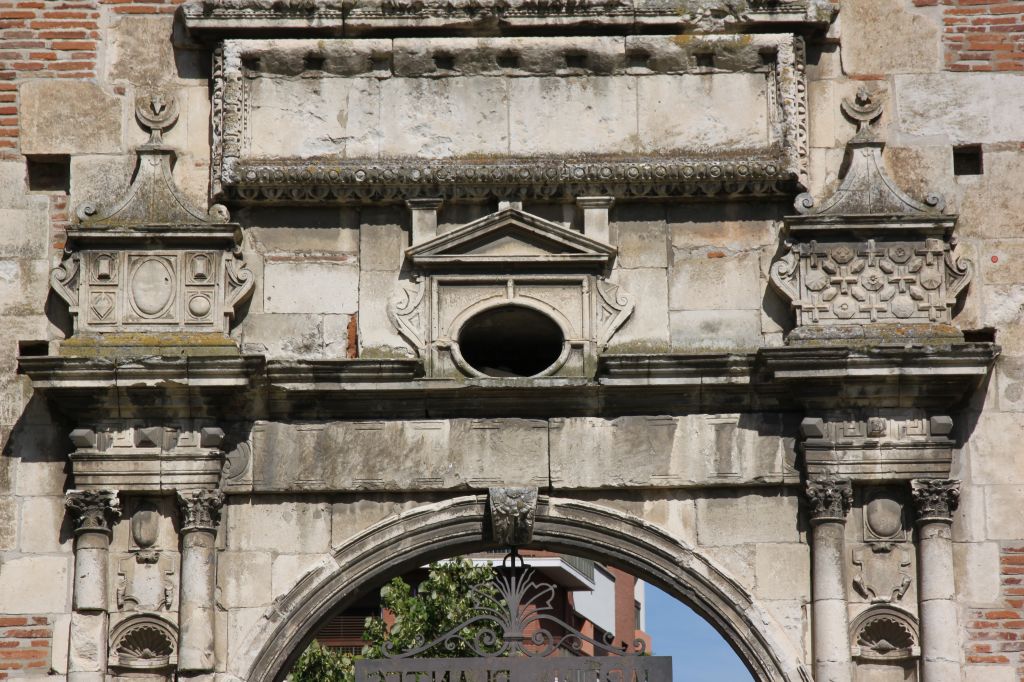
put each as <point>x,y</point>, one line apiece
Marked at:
<point>864,109</point>
<point>156,111</point>
<point>512,512</point>
<point>93,510</point>
<point>830,499</point>
<point>935,499</point>
<point>200,509</point>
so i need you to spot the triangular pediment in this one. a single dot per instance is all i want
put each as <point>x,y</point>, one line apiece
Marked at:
<point>512,239</point>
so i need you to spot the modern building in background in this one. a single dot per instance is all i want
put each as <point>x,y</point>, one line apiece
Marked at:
<point>602,602</point>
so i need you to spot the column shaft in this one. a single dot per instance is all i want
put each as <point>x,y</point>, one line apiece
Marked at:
<point>200,517</point>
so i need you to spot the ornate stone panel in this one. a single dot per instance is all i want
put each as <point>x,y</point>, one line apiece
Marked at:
<point>470,127</point>
<point>143,644</point>
<point>151,262</point>
<point>509,261</point>
<point>870,256</point>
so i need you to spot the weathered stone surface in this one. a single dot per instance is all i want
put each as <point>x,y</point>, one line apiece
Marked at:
<point>35,584</point>
<point>725,519</point>
<point>45,129</point>
<point>8,522</point>
<point>977,571</point>
<point>1001,517</point>
<point>886,36</point>
<point>43,526</point>
<point>782,571</point>
<point>141,48</point>
<point>714,279</point>
<point>299,526</point>
<point>984,109</point>
<point>715,331</point>
<point>647,328</point>
<point>310,285</point>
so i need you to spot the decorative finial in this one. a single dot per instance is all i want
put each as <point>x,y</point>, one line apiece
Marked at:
<point>864,109</point>
<point>156,111</point>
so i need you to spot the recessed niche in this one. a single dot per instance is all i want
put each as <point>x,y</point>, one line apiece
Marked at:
<point>511,341</point>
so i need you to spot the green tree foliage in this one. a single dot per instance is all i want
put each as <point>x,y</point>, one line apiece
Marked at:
<point>443,601</point>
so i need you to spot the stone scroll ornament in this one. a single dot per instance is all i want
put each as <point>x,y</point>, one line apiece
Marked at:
<point>512,511</point>
<point>151,261</point>
<point>870,254</point>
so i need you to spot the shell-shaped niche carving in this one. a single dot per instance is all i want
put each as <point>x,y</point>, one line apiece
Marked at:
<point>885,634</point>
<point>143,643</point>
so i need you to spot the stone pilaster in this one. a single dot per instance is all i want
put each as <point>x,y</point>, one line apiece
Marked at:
<point>595,216</point>
<point>424,218</point>
<point>829,501</point>
<point>200,515</point>
<point>935,501</point>
<point>94,513</point>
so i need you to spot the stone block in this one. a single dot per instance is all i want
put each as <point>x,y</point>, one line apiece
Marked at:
<point>24,285</point>
<point>1003,309</point>
<point>1003,262</point>
<point>357,513</point>
<point>335,334</point>
<point>383,239</point>
<point>8,522</point>
<point>673,510</point>
<point>977,572</point>
<point>715,330</point>
<point>641,236</point>
<point>969,522</point>
<point>140,50</point>
<point>747,517</point>
<point>1009,384</point>
<point>923,170</point>
<point>729,228</point>
<point>87,643</point>
<point>26,234</point>
<point>88,121</point>
<point>736,561</point>
<point>307,285</point>
<point>990,673</point>
<point>993,450</point>
<point>243,579</point>
<point>699,112</point>
<point>888,36</point>
<point>59,644</point>
<point>646,330</point>
<point>289,569</point>
<point>783,571</point>
<point>35,584</point>
<point>97,179</point>
<point>707,279</point>
<point>377,335</point>
<point>44,525</point>
<point>242,626</point>
<point>573,115</point>
<point>446,117</point>
<point>991,204</point>
<point>1002,512</point>
<point>963,108</point>
<point>324,235</point>
<point>824,109</point>
<point>279,526</point>
<point>284,336</point>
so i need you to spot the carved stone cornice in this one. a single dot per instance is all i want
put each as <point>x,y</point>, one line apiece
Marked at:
<point>829,499</point>
<point>512,511</point>
<point>200,510</point>
<point>935,500</point>
<point>93,511</point>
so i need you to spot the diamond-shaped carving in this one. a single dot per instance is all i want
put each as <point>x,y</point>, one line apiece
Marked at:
<point>102,305</point>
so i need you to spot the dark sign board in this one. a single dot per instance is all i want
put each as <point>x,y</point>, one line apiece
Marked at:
<point>518,669</point>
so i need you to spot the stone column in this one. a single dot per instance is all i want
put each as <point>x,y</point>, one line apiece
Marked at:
<point>935,501</point>
<point>94,513</point>
<point>595,216</point>
<point>200,515</point>
<point>830,501</point>
<point>424,218</point>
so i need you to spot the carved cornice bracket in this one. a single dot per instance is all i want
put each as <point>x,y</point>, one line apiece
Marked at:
<point>93,511</point>
<point>935,499</point>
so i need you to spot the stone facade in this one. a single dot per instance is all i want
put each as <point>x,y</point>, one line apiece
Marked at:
<point>297,294</point>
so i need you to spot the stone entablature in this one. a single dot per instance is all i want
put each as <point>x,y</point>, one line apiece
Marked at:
<point>623,116</point>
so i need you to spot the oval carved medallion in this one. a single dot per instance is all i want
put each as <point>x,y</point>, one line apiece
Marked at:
<point>152,287</point>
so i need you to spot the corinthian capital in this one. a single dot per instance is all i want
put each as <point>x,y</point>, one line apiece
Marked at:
<point>93,510</point>
<point>200,509</point>
<point>935,498</point>
<point>830,499</point>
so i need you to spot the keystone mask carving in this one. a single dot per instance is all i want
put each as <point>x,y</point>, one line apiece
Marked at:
<point>512,512</point>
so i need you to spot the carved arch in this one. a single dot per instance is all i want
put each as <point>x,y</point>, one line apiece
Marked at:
<point>459,525</point>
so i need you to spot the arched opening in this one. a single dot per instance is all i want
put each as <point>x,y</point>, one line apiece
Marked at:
<point>459,526</point>
<point>510,341</point>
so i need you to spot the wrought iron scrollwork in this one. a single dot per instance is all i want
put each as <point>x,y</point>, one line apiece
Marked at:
<point>516,622</point>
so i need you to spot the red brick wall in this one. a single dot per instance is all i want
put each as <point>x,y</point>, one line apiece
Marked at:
<point>996,635</point>
<point>982,35</point>
<point>24,645</point>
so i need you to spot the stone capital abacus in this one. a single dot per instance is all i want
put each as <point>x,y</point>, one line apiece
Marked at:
<point>829,499</point>
<point>935,499</point>
<point>93,511</point>
<point>200,509</point>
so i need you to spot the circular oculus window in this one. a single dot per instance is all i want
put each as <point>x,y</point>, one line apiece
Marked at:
<point>511,341</point>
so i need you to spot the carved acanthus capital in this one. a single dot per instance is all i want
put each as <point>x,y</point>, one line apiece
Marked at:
<point>829,499</point>
<point>200,509</point>
<point>512,512</point>
<point>93,511</point>
<point>935,499</point>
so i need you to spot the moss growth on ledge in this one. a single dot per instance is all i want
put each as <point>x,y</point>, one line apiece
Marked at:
<point>144,344</point>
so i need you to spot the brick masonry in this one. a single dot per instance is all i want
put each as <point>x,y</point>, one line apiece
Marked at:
<point>996,635</point>
<point>25,644</point>
<point>981,35</point>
